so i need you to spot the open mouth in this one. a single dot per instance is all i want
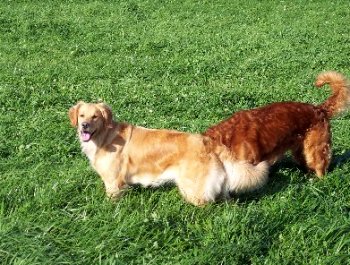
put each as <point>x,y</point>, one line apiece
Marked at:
<point>86,136</point>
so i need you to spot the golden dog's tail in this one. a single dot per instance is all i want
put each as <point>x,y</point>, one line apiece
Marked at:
<point>340,99</point>
<point>243,176</point>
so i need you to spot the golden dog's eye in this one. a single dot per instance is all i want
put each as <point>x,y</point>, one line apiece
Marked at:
<point>81,115</point>
<point>94,117</point>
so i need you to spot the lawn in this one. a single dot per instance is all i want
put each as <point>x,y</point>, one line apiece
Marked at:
<point>181,65</point>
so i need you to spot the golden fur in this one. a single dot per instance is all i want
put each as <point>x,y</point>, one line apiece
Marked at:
<point>123,155</point>
<point>266,133</point>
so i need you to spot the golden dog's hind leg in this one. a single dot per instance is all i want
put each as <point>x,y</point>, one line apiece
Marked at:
<point>191,191</point>
<point>201,182</point>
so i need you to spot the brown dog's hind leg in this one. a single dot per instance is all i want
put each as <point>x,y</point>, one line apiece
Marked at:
<point>247,151</point>
<point>317,149</point>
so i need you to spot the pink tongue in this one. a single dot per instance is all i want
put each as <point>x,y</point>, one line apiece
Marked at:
<point>85,136</point>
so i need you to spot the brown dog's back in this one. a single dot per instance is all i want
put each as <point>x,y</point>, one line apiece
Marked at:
<point>256,135</point>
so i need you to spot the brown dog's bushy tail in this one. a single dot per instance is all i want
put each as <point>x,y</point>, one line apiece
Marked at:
<point>340,99</point>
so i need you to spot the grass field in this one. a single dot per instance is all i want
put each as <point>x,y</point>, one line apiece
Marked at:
<point>164,64</point>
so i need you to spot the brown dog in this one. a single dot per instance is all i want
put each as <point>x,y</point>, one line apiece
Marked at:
<point>123,155</point>
<point>266,133</point>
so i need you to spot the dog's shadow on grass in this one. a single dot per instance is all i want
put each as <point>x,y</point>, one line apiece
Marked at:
<point>279,181</point>
<point>339,160</point>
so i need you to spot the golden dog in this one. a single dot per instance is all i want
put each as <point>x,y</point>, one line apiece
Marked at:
<point>123,155</point>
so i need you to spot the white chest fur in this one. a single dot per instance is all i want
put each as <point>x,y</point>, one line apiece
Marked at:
<point>106,164</point>
<point>90,149</point>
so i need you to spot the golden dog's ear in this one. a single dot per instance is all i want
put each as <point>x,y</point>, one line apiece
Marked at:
<point>106,113</point>
<point>73,114</point>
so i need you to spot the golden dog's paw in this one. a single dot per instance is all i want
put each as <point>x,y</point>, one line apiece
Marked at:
<point>199,202</point>
<point>114,196</point>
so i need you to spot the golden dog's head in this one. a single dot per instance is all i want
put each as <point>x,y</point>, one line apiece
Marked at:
<point>90,119</point>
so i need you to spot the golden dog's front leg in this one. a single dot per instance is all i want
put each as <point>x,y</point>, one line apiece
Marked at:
<point>114,187</point>
<point>112,172</point>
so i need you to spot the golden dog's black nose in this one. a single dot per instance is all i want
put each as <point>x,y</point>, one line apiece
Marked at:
<point>85,125</point>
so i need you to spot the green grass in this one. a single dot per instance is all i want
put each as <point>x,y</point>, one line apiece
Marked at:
<point>164,64</point>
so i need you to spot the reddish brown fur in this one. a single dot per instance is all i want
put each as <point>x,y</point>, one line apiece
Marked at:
<point>266,133</point>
